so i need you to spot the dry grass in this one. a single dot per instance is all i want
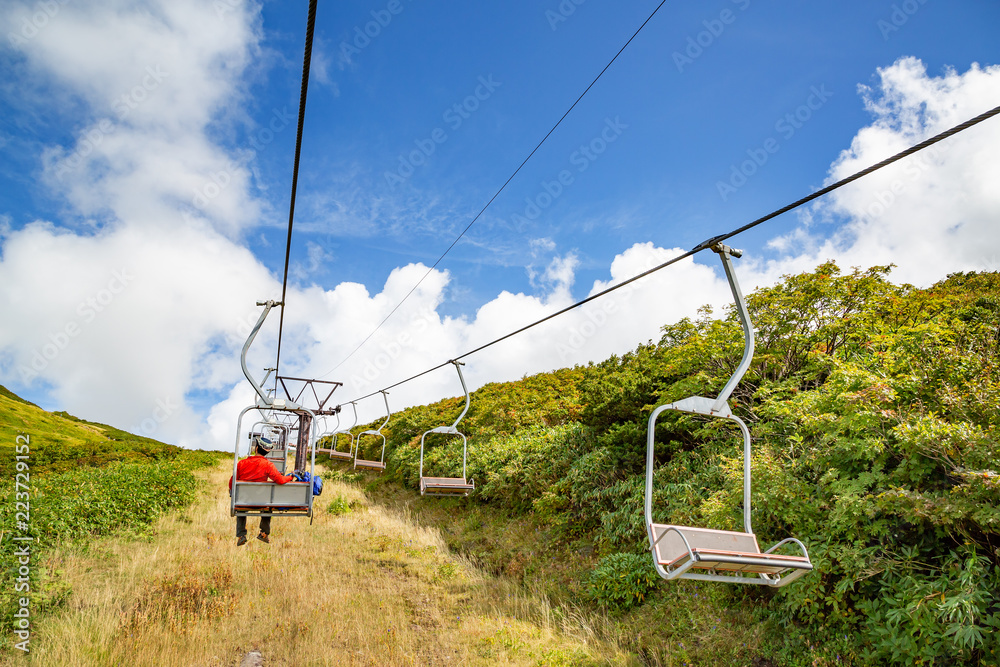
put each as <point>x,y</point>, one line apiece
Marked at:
<point>361,586</point>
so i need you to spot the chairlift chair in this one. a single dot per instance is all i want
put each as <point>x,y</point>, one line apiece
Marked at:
<point>326,432</point>
<point>270,498</point>
<point>333,451</point>
<point>682,552</point>
<point>448,486</point>
<point>365,464</point>
<point>278,434</point>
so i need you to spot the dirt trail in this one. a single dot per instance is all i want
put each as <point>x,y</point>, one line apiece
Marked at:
<point>361,586</point>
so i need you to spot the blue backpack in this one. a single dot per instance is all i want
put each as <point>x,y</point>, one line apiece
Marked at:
<point>304,476</point>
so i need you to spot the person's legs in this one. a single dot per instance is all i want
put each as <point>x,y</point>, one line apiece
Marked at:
<point>265,525</point>
<point>241,526</point>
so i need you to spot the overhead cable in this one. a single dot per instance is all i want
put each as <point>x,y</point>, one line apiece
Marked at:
<point>712,241</point>
<point>306,61</point>
<point>495,195</point>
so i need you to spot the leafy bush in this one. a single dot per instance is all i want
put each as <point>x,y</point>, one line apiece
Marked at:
<point>89,502</point>
<point>944,615</point>
<point>622,581</point>
<point>339,505</point>
<point>873,408</point>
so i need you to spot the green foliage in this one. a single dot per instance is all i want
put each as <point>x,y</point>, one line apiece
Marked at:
<point>61,442</point>
<point>931,615</point>
<point>873,408</point>
<point>84,480</point>
<point>84,503</point>
<point>622,581</point>
<point>340,505</point>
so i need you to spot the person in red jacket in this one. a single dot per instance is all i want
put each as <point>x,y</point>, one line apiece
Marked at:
<point>257,468</point>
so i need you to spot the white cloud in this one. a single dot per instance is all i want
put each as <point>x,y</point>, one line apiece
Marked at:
<point>933,213</point>
<point>140,322</point>
<point>146,330</point>
<point>152,77</point>
<point>135,321</point>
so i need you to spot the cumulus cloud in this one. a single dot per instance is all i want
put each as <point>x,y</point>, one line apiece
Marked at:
<point>930,214</point>
<point>151,79</point>
<point>145,332</point>
<point>135,320</point>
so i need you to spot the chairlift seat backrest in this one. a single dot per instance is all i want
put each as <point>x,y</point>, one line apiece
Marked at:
<point>683,552</point>
<point>448,486</point>
<point>378,466</point>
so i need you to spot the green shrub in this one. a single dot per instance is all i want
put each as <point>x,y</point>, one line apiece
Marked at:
<point>88,502</point>
<point>622,581</point>
<point>339,506</point>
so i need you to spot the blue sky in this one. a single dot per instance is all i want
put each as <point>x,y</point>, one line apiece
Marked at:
<point>157,139</point>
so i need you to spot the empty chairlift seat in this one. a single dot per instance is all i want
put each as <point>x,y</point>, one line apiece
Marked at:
<point>372,464</point>
<point>684,552</point>
<point>448,486</point>
<point>680,548</point>
<point>333,451</point>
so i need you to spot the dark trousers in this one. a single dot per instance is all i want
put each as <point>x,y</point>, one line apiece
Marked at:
<point>241,525</point>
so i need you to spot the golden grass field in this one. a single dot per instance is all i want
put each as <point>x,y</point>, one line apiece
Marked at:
<point>361,587</point>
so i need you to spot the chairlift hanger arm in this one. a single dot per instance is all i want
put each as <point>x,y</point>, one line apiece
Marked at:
<point>354,406</point>
<point>458,367</point>
<point>265,400</point>
<point>726,253</point>
<point>268,305</point>
<point>388,413</point>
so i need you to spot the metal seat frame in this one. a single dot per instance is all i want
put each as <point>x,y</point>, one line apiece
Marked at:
<point>349,454</point>
<point>279,452</point>
<point>449,486</point>
<point>332,451</point>
<point>365,464</point>
<point>719,555</point>
<point>270,498</point>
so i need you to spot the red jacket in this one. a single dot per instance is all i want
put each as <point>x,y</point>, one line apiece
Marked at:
<point>258,469</point>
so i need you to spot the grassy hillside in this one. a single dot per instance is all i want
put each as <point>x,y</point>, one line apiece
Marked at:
<point>77,480</point>
<point>874,412</point>
<point>60,441</point>
<point>358,586</point>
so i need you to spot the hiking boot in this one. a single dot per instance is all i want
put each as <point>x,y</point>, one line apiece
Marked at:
<point>241,540</point>
<point>264,538</point>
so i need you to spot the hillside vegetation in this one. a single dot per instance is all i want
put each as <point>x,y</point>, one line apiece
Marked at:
<point>78,480</point>
<point>874,412</point>
<point>358,586</point>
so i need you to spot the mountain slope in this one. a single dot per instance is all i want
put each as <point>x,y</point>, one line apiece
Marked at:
<point>874,413</point>
<point>60,442</point>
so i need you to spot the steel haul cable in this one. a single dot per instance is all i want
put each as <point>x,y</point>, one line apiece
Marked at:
<point>306,61</point>
<point>715,239</point>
